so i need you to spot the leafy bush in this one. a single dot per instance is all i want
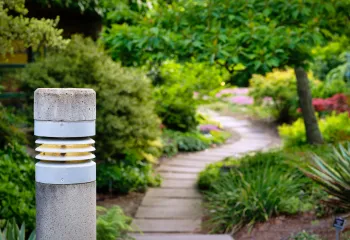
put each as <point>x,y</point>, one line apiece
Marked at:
<point>13,232</point>
<point>126,124</point>
<point>176,107</point>
<point>328,57</point>
<point>328,88</point>
<point>198,77</point>
<point>125,176</point>
<point>337,103</point>
<point>334,128</point>
<point>112,224</point>
<point>17,188</point>
<point>253,190</point>
<point>280,86</point>
<point>125,117</point>
<point>9,130</point>
<point>188,141</point>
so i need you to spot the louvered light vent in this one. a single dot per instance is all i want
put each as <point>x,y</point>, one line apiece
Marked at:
<point>64,150</point>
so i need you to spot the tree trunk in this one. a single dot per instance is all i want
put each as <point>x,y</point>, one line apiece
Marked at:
<point>313,134</point>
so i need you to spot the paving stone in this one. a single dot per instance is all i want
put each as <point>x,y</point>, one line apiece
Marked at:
<point>170,202</point>
<point>187,163</point>
<point>172,175</point>
<point>166,225</point>
<point>178,211</point>
<point>173,193</point>
<point>176,169</point>
<point>175,183</point>
<point>182,237</point>
<point>200,157</point>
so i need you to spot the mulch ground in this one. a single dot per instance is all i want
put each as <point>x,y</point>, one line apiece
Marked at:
<point>129,202</point>
<point>280,228</point>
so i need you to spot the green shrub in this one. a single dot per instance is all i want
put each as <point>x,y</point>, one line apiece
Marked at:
<point>125,111</point>
<point>9,128</point>
<point>252,189</point>
<point>198,77</point>
<point>176,107</point>
<point>13,232</point>
<point>280,86</point>
<point>328,88</point>
<point>188,141</point>
<point>334,128</point>
<point>125,176</point>
<point>112,224</point>
<point>328,57</point>
<point>17,188</point>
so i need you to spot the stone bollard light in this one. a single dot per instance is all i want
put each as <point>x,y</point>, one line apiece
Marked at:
<point>64,119</point>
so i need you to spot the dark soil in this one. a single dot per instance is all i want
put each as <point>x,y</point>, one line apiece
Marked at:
<point>280,228</point>
<point>129,202</point>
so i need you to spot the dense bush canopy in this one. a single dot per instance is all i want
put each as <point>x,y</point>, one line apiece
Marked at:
<point>125,112</point>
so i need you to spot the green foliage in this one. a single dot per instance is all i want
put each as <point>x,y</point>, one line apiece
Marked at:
<point>112,224</point>
<point>13,232</point>
<point>15,26</point>
<point>112,11</point>
<point>334,128</point>
<point>333,175</point>
<point>280,86</point>
<point>260,35</point>
<point>329,57</point>
<point>328,89</point>
<point>9,128</point>
<point>126,176</point>
<point>186,142</point>
<point>136,46</point>
<point>125,111</point>
<point>17,188</point>
<point>252,190</point>
<point>199,77</point>
<point>176,107</point>
<point>304,236</point>
<point>213,171</point>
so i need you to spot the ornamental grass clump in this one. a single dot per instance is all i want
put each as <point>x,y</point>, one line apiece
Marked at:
<point>251,191</point>
<point>333,175</point>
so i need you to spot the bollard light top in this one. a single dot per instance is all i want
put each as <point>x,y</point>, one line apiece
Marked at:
<point>64,104</point>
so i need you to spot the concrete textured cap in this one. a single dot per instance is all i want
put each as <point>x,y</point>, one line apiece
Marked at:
<point>64,104</point>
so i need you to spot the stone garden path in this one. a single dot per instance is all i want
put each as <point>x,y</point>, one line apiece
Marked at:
<point>173,211</point>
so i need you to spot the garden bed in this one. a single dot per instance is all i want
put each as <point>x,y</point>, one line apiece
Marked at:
<point>283,227</point>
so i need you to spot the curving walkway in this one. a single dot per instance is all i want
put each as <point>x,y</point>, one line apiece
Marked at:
<point>173,211</point>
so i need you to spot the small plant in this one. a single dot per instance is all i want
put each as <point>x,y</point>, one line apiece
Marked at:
<point>333,176</point>
<point>304,236</point>
<point>13,232</point>
<point>112,224</point>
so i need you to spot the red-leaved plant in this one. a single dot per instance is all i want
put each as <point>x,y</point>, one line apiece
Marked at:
<point>338,103</point>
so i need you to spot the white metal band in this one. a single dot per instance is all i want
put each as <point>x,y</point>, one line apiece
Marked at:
<point>65,173</point>
<point>64,129</point>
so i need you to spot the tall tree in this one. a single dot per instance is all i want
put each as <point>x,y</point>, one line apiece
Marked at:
<point>32,32</point>
<point>260,34</point>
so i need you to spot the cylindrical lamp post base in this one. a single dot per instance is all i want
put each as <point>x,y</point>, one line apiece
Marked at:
<point>66,212</point>
<point>66,173</point>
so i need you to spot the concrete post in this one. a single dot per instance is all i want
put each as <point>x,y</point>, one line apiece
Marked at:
<point>65,175</point>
